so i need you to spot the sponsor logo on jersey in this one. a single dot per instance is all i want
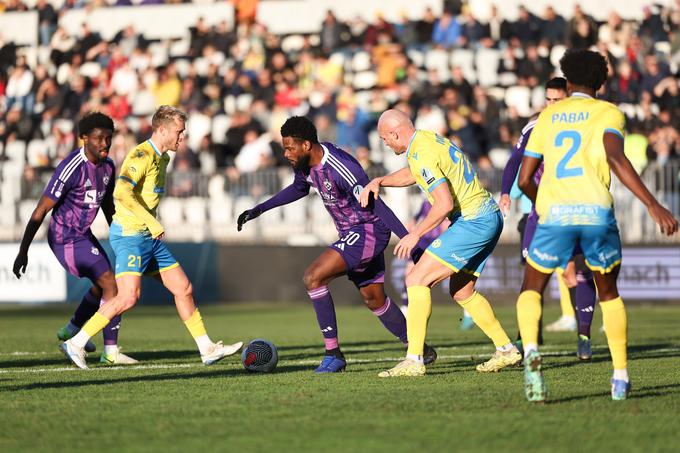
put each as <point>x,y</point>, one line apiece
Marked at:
<point>427,175</point>
<point>459,259</point>
<point>90,197</point>
<point>544,256</point>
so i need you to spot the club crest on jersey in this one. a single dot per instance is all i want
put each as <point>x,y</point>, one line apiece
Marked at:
<point>106,180</point>
<point>427,175</point>
<point>95,251</point>
<point>327,184</point>
<point>436,243</point>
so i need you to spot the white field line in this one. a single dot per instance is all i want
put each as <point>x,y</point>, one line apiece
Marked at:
<point>290,362</point>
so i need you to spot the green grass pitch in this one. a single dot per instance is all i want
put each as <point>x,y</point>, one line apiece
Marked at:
<point>171,402</point>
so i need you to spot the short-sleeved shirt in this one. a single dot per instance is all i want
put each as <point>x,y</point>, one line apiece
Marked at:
<point>78,187</point>
<point>145,168</point>
<point>568,136</point>
<point>434,160</point>
<point>339,180</point>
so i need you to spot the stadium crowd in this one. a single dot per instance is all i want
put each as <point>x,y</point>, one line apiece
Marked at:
<point>475,82</point>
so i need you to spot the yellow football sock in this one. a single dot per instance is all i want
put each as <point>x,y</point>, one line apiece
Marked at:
<point>96,324</point>
<point>195,325</point>
<point>528,316</point>
<point>482,314</point>
<point>616,326</point>
<point>419,311</point>
<point>565,297</point>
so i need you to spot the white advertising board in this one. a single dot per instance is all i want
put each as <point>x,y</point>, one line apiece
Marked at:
<point>44,281</point>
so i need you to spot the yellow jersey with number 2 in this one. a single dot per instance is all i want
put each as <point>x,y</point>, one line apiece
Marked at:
<point>434,160</point>
<point>568,136</point>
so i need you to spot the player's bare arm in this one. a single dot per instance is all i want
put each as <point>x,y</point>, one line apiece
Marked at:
<point>623,169</point>
<point>400,178</point>
<point>526,177</point>
<point>45,205</point>
<point>441,208</point>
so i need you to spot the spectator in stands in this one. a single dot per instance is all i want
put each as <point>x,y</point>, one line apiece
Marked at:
<point>331,33</point>
<point>533,70</point>
<point>376,29</point>
<point>47,21</point>
<point>167,88</point>
<point>447,31</point>
<point>19,87</point>
<point>472,32</point>
<point>652,27</point>
<point>553,27</point>
<point>624,87</point>
<point>527,28</point>
<point>653,73</point>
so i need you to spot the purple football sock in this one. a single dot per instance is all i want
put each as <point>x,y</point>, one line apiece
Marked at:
<point>585,301</point>
<point>325,315</point>
<point>111,331</point>
<point>87,308</point>
<point>393,319</point>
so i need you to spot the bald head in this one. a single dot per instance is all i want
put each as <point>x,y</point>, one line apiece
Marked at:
<point>396,129</point>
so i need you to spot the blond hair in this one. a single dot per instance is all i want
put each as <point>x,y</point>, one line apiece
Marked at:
<point>166,114</point>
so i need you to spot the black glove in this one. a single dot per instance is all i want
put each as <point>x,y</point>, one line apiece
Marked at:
<point>245,216</point>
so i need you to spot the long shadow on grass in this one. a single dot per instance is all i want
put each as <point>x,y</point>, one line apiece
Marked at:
<point>642,392</point>
<point>142,356</point>
<point>153,378</point>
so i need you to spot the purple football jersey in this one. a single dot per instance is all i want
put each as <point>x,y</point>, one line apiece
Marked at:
<point>78,186</point>
<point>339,180</point>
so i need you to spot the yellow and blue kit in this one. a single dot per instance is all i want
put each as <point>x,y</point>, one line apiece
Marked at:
<point>476,222</point>
<point>134,229</point>
<point>574,203</point>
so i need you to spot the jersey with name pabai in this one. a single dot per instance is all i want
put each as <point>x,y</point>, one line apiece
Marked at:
<point>568,136</point>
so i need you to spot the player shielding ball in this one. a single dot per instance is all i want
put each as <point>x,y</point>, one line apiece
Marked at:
<point>137,240</point>
<point>579,140</point>
<point>364,232</point>
<point>444,173</point>
<point>82,183</point>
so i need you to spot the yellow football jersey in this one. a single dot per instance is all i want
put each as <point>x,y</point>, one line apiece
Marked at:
<point>568,136</point>
<point>434,160</point>
<point>145,168</point>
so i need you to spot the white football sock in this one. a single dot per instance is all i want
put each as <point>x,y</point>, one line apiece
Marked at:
<point>204,344</point>
<point>621,375</point>
<point>415,358</point>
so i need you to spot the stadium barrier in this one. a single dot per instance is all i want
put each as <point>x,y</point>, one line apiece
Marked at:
<point>241,273</point>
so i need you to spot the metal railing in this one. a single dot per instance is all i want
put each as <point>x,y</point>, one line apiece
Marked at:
<point>205,207</point>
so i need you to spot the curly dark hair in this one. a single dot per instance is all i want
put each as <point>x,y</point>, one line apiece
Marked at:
<point>584,67</point>
<point>301,128</point>
<point>94,120</point>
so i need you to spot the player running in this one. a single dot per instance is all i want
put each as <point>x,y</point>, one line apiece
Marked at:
<point>137,240</point>
<point>579,282</point>
<point>444,173</point>
<point>364,232</point>
<point>82,183</point>
<point>579,139</point>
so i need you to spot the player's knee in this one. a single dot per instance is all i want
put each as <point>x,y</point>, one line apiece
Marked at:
<point>463,294</point>
<point>311,279</point>
<point>374,303</point>
<point>188,290</point>
<point>413,279</point>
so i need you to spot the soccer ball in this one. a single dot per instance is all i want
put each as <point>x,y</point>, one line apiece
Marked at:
<point>260,356</point>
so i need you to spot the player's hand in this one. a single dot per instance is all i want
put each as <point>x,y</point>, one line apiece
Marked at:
<point>406,245</point>
<point>504,203</point>
<point>663,217</point>
<point>245,216</point>
<point>20,264</point>
<point>372,187</point>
